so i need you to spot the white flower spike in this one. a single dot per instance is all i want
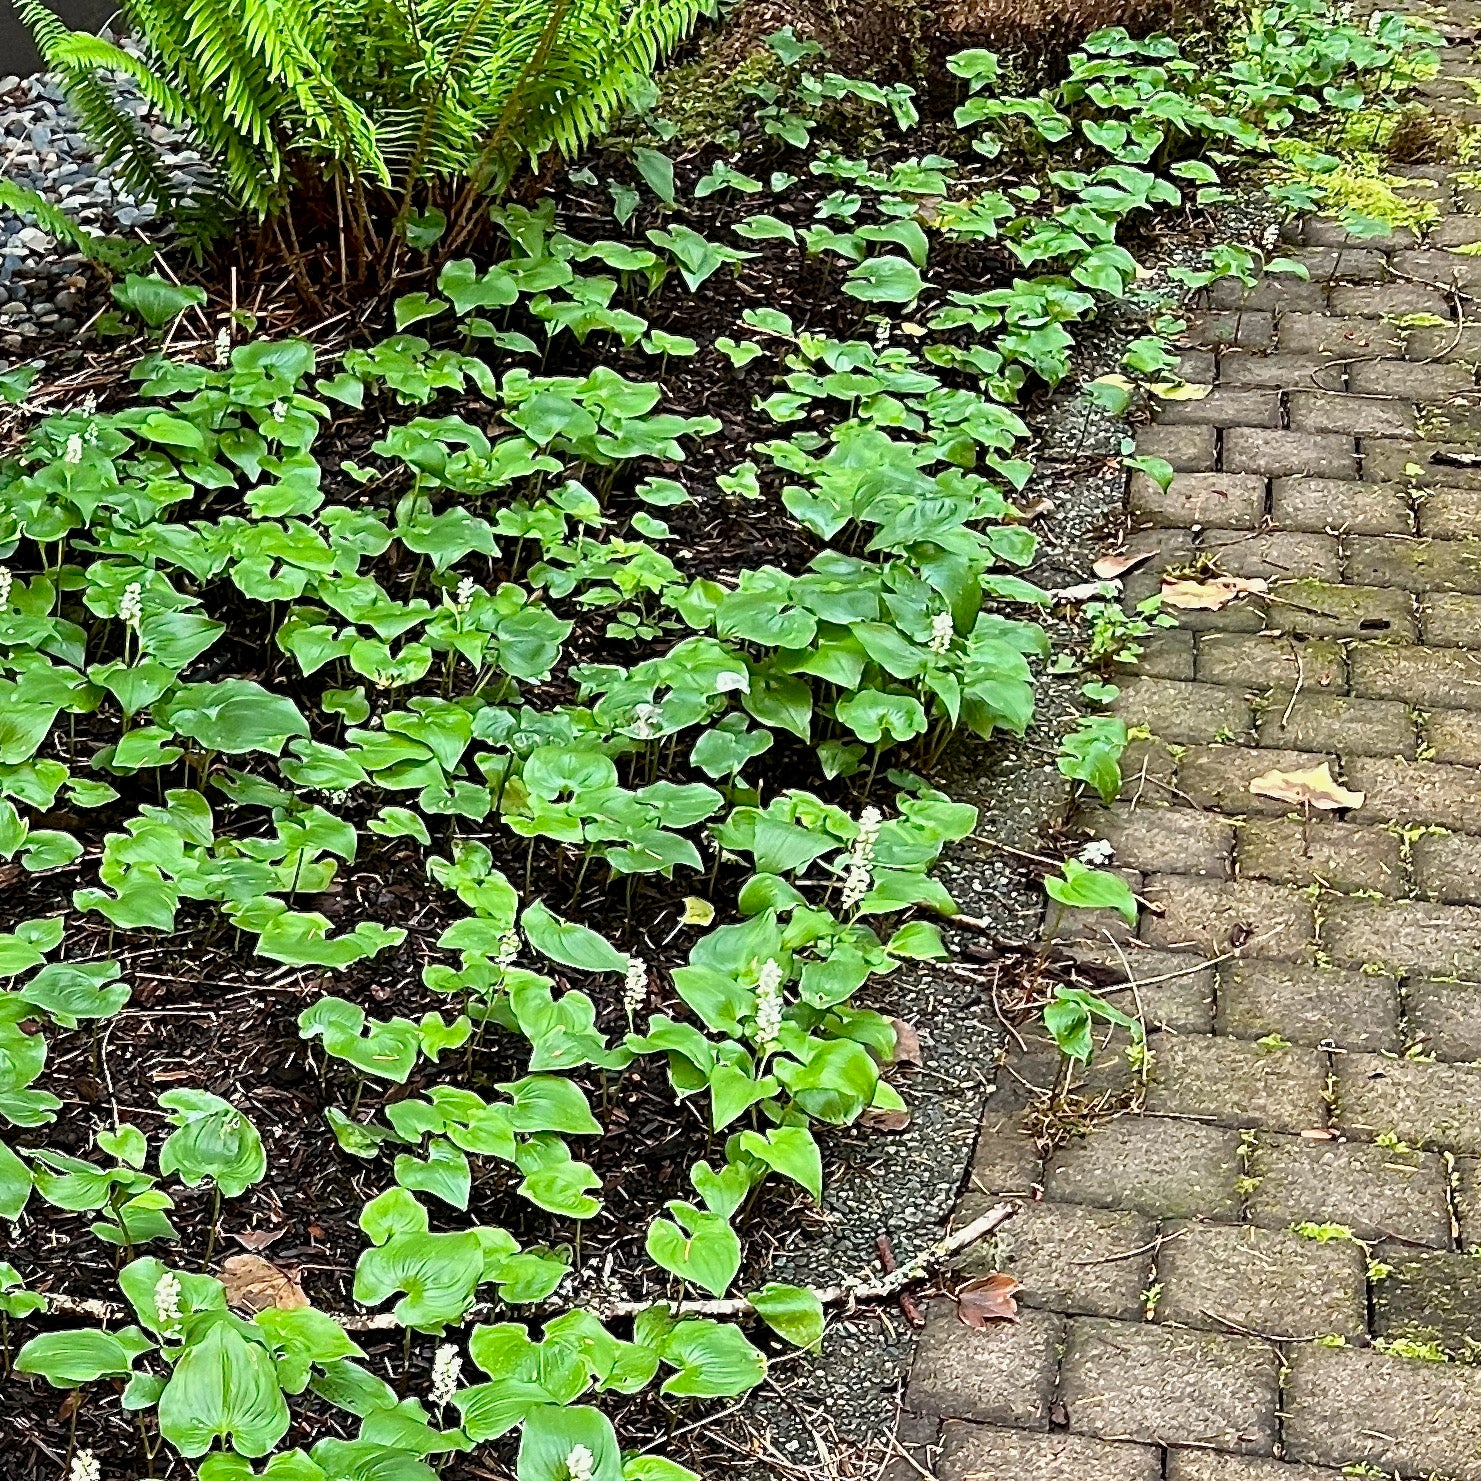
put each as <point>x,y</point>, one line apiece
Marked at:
<point>85,1467</point>
<point>446,1366</point>
<point>581,1464</point>
<point>769,1006</point>
<point>131,604</point>
<point>635,988</point>
<point>943,630</point>
<point>167,1298</point>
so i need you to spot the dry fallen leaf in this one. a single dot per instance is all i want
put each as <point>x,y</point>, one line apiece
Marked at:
<point>877,1119</point>
<point>1180,390</point>
<point>256,1239</point>
<point>988,1300</point>
<point>1109,567</point>
<point>1316,787</point>
<point>254,1284</point>
<point>1087,591</point>
<point>1209,596</point>
<point>907,1042</point>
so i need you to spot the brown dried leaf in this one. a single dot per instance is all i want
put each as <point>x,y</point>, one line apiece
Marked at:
<point>254,1284</point>
<point>1109,567</point>
<point>878,1119</point>
<point>989,1299</point>
<point>1209,596</point>
<point>257,1239</point>
<point>1316,787</point>
<point>907,1043</point>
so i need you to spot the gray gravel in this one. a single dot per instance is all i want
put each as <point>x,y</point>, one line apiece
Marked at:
<point>47,292</point>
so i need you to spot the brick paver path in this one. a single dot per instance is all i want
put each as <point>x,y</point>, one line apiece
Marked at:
<point>1311,987</point>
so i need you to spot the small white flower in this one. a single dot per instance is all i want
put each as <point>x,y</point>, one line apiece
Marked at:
<point>223,346</point>
<point>508,949</point>
<point>635,987</point>
<point>84,1467</point>
<point>645,721</point>
<point>868,835</point>
<point>131,604</point>
<point>581,1464</point>
<point>167,1298</point>
<point>464,597</point>
<point>1097,851</point>
<point>89,404</point>
<point>446,1366</point>
<point>280,410</point>
<point>856,885</point>
<point>6,580</point>
<point>769,1005</point>
<point>73,454</point>
<point>943,630</point>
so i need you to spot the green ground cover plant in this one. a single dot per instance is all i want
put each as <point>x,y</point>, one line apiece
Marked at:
<point>450,608</point>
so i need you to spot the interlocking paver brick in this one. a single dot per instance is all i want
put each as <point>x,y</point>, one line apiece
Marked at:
<point>1397,300</point>
<point>1450,619</point>
<point>1320,231</point>
<point>1454,736</point>
<point>1356,416</point>
<point>1344,262</point>
<point>1167,655</point>
<point>1410,935</point>
<point>1089,1261</point>
<point>1333,722</point>
<point>1219,776</point>
<point>1278,453</point>
<point>1170,990</point>
<point>1320,608</point>
<point>1443,1016</point>
<point>1308,1005</point>
<point>1160,1167</point>
<point>1270,661</point>
<point>1285,294</point>
<point>1214,1465</point>
<point>1447,677</point>
<point>1414,564</point>
<point>1163,839</point>
<point>1417,463</point>
<point>1247,329</point>
<point>1449,867</point>
<point>1427,792</point>
<point>971,1452</point>
<point>1270,1281</point>
<point>1455,231</point>
<point>1334,504</point>
<point>1411,382</point>
<point>1198,367</point>
<point>1228,499</point>
<point>1353,1406</point>
<point>1430,1296</point>
<point>1273,554</point>
<point>1337,338</point>
<point>1423,1104</point>
<point>1147,766</point>
<point>1215,916</point>
<point>1234,1082</point>
<point>1188,449</point>
<point>1450,513</point>
<point>1444,342</point>
<point>1446,268</point>
<point>1377,1193</point>
<point>1006,1158</point>
<point>1278,372</point>
<point>1166,1385</point>
<point>1184,713</point>
<point>1467,1196</point>
<point>1337,856</point>
<point>1225,406</point>
<point>1002,1373</point>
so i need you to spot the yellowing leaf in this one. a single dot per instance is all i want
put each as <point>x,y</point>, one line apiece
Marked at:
<point>1209,596</point>
<point>1316,787</point>
<point>697,912</point>
<point>1180,390</point>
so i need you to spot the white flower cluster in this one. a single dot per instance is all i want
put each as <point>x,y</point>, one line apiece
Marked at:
<point>645,721</point>
<point>769,1005</point>
<point>85,1467</point>
<point>943,630</point>
<point>223,346</point>
<point>6,580</point>
<point>508,949</point>
<point>635,987</point>
<point>464,598</point>
<point>446,1366</point>
<point>581,1464</point>
<point>167,1298</point>
<point>860,874</point>
<point>73,454</point>
<point>131,604</point>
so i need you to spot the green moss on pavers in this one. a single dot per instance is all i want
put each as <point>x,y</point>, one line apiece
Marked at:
<point>1404,935</point>
<point>1324,609</point>
<point>1309,1005</point>
<point>981,1453</point>
<point>1338,856</point>
<point>1332,723</point>
<point>1215,916</point>
<point>1448,867</point>
<point>1443,1016</point>
<point>1431,1296</point>
<point>1448,678</point>
<point>1415,565</point>
<point>1270,661</point>
<point>1234,1082</point>
<point>1425,1105</point>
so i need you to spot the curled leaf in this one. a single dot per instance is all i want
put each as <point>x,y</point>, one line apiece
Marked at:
<point>1109,567</point>
<point>254,1284</point>
<point>989,1299</point>
<point>1316,787</point>
<point>1209,596</point>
